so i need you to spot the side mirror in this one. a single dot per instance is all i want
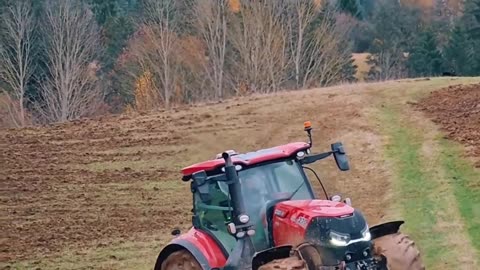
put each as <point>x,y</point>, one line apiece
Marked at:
<point>340,156</point>
<point>199,182</point>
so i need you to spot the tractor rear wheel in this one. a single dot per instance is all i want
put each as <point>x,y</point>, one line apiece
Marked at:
<point>400,251</point>
<point>180,260</point>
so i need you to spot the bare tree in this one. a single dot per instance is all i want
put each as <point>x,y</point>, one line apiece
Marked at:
<point>210,19</point>
<point>326,51</point>
<point>277,41</point>
<point>259,36</point>
<point>160,27</point>
<point>71,89</point>
<point>301,15</point>
<point>16,57</point>
<point>388,64</point>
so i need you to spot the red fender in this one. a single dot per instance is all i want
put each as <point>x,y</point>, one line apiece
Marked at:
<point>203,247</point>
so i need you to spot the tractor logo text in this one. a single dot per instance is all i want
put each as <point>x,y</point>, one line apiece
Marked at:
<point>301,221</point>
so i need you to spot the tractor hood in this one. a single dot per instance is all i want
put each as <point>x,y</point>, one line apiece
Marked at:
<point>334,228</point>
<point>303,217</point>
<point>314,208</point>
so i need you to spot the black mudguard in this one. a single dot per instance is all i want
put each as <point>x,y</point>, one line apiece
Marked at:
<point>179,245</point>
<point>385,229</point>
<point>269,255</point>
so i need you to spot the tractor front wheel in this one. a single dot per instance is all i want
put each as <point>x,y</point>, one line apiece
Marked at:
<point>304,257</point>
<point>400,251</point>
<point>181,259</point>
<point>290,263</point>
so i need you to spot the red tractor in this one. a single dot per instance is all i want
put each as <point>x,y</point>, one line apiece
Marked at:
<point>258,211</point>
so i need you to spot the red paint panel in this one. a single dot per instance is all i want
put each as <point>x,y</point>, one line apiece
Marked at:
<point>207,246</point>
<point>290,229</point>
<point>320,208</point>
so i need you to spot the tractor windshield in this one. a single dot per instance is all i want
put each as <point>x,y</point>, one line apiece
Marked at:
<point>260,184</point>
<point>271,182</point>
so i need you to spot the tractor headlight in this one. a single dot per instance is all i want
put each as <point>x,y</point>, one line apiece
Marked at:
<point>366,236</point>
<point>338,239</point>
<point>244,218</point>
<point>343,240</point>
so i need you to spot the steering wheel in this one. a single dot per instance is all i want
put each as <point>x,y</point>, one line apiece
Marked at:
<point>210,225</point>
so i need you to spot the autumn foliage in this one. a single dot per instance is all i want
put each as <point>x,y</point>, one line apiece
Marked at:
<point>146,96</point>
<point>234,5</point>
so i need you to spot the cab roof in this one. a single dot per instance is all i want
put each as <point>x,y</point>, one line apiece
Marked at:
<point>247,159</point>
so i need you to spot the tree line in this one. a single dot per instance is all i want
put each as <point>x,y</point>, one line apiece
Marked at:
<point>407,42</point>
<point>65,59</point>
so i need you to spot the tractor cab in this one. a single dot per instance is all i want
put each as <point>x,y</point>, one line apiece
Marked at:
<point>266,177</point>
<point>261,184</point>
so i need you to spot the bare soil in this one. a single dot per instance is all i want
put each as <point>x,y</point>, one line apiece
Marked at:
<point>111,181</point>
<point>95,183</point>
<point>457,110</point>
<point>50,201</point>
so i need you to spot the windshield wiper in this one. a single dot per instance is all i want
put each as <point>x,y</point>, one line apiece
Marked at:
<point>319,181</point>
<point>295,192</point>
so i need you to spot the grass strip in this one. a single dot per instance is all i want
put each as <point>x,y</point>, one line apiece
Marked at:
<point>465,180</point>
<point>413,185</point>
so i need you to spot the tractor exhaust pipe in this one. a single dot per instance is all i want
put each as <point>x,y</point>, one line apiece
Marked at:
<point>234,188</point>
<point>241,257</point>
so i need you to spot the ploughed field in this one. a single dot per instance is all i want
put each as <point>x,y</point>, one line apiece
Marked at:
<point>105,193</point>
<point>457,110</point>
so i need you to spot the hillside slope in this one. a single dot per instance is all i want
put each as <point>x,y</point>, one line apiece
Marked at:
<point>105,193</point>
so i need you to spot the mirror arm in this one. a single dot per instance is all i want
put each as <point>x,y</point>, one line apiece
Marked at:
<point>312,158</point>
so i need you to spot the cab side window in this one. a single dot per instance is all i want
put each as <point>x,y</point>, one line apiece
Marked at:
<point>213,211</point>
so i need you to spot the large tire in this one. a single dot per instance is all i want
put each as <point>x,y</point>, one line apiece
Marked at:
<point>400,251</point>
<point>290,263</point>
<point>304,257</point>
<point>181,260</point>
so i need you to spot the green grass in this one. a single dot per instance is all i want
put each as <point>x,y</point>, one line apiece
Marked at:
<point>435,189</point>
<point>412,186</point>
<point>466,184</point>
